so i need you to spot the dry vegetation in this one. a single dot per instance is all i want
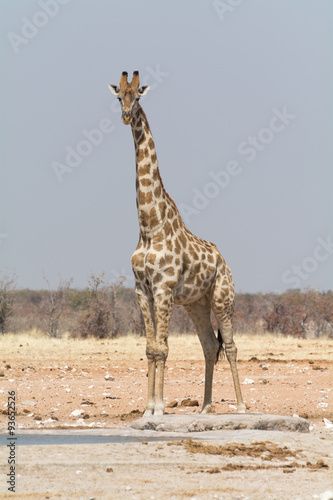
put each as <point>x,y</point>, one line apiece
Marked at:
<point>111,310</point>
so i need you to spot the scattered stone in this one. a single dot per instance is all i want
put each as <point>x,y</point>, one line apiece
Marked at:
<point>109,469</point>
<point>322,405</point>
<point>326,495</point>
<point>172,404</point>
<point>328,423</point>
<point>7,366</point>
<point>248,381</point>
<point>76,413</point>
<point>189,402</point>
<point>28,403</point>
<point>317,367</point>
<point>109,377</point>
<point>2,373</point>
<point>49,421</point>
<point>80,421</point>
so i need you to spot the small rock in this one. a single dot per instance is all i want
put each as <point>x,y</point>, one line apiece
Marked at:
<point>172,404</point>
<point>322,405</point>
<point>328,423</point>
<point>109,469</point>
<point>109,377</point>
<point>29,403</point>
<point>190,402</point>
<point>86,402</point>
<point>248,381</point>
<point>327,495</point>
<point>76,413</point>
<point>49,421</point>
<point>2,373</point>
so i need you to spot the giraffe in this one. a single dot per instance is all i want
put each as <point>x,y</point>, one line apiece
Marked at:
<point>172,266</point>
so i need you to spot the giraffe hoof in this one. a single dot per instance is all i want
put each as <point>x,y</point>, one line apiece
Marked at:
<point>241,409</point>
<point>206,409</point>
<point>148,412</point>
<point>159,409</point>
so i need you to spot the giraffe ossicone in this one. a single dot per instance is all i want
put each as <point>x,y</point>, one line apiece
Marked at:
<point>172,266</point>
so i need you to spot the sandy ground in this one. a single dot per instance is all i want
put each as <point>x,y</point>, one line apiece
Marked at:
<point>104,384</point>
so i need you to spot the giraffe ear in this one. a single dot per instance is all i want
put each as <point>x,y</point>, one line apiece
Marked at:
<point>114,89</point>
<point>143,90</point>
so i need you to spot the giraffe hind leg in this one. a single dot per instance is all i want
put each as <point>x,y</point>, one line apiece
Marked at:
<point>211,346</point>
<point>223,310</point>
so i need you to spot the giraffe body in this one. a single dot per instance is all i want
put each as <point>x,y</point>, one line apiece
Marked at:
<point>172,266</point>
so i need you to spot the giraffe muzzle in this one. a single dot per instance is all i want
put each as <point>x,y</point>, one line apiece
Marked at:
<point>126,117</point>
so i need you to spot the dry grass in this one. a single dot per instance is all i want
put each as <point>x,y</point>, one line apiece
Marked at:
<point>39,348</point>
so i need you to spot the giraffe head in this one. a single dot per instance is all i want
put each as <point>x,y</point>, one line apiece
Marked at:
<point>129,95</point>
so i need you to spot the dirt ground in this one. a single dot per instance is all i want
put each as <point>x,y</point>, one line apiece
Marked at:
<point>66,384</point>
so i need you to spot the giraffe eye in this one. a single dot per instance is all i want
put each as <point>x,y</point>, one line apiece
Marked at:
<point>119,99</point>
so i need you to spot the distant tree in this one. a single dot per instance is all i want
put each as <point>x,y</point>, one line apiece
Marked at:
<point>54,305</point>
<point>7,294</point>
<point>101,318</point>
<point>289,314</point>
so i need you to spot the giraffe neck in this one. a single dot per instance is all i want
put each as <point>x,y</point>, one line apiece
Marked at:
<point>151,197</point>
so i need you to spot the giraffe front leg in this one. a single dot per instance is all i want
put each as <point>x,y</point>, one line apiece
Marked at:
<point>147,313</point>
<point>163,308</point>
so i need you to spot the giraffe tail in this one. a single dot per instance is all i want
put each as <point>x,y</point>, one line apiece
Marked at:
<point>220,352</point>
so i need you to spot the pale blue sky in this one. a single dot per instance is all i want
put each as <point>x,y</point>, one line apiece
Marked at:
<point>240,108</point>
